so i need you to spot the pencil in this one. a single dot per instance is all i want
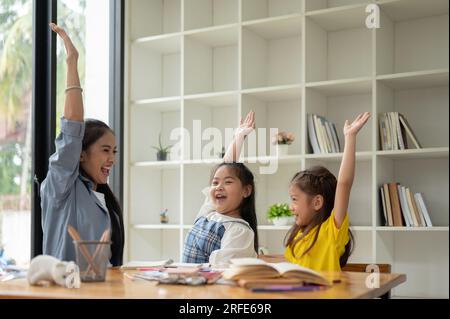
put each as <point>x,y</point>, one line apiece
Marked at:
<point>281,288</point>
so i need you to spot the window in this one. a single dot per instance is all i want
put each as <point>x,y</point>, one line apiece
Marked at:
<point>15,130</point>
<point>87,23</point>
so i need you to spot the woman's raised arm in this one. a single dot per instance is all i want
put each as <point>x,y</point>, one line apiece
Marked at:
<point>73,105</point>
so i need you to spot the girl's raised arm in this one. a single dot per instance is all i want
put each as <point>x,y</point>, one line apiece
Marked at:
<point>73,105</point>
<point>246,127</point>
<point>347,169</point>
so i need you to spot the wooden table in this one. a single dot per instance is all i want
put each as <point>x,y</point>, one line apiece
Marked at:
<point>117,285</point>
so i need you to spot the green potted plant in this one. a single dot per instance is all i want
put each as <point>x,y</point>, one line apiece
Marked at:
<point>162,151</point>
<point>280,214</point>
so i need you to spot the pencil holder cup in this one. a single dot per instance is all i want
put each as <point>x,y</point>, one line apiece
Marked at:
<point>92,257</point>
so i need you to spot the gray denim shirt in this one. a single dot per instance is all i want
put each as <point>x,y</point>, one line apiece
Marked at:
<point>67,197</point>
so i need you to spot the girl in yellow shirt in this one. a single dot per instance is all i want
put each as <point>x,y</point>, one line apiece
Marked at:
<point>321,239</point>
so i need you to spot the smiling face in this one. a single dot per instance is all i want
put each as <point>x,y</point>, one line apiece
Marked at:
<point>304,206</point>
<point>98,160</point>
<point>227,192</point>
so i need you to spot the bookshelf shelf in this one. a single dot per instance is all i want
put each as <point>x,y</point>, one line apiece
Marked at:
<point>406,10</point>
<point>437,152</point>
<point>209,13</point>
<point>413,229</point>
<point>262,9</point>
<point>215,60</point>
<point>286,228</point>
<point>414,36</point>
<point>414,80</point>
<point>276,93</point>
<point>156,164</point>
<point>270,53</point>
<point>215,99</point>
<point>360,156</point>
<point>339,18</point>
<point>154,17</point>
<point>273,28</point>
<point>159,104</point>
<point>342,87</point>
<point>339,51</point>
<point>332,6</point>
<point>211,60</point>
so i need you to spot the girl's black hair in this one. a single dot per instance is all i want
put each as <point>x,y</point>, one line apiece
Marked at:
<point>317,181</point>
<point>247,208</point>
<point>95,129</point>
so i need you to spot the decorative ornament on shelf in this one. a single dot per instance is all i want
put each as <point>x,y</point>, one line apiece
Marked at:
<point>161,155</point>
<point>280,214</point>
<point>163,216</point>
<point>282,140</point>
<point>221,154</point>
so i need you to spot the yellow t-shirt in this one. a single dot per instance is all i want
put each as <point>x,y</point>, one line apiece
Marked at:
<point>329,247</point>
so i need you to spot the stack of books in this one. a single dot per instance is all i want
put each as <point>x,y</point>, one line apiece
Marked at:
<point>322,134</point>
<point>403,208</point>
<point>394,132</point>
<point>254,273</point>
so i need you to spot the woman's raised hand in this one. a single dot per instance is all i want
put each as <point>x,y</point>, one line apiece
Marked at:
<point>71,51</point>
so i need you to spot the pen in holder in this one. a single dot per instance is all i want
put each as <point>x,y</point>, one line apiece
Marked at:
<point>93,268</point>
<point>105,238</point>
<point>76,237</point>
<point>91,255</point>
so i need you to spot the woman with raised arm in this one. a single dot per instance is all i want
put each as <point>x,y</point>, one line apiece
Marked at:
<point>75,191</point>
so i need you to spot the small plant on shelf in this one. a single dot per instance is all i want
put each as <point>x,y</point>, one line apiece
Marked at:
<point>280,214</point>
<point>162,151</point>
<point>164,218</point>
<point>283,138</point>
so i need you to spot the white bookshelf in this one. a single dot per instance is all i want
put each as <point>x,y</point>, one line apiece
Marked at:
<point>214,60</point>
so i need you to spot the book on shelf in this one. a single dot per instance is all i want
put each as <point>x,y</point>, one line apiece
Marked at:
<point>254,272</point>
<point>397,215</point>
<point>322,135</point>
<point>404,206</point>
<point>400,207</point>
<point>320,138</point>
<point>419,215</point>
<point>383,206</point>
<point>336,138</point>
<point>312,134</point>
<point>409,130</point>
<point>387,199</point>
<point>423,208</point>
<point>394,131</point>
<point>413,208</point>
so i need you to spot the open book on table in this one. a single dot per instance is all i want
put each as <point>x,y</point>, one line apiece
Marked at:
<point>251,272</point>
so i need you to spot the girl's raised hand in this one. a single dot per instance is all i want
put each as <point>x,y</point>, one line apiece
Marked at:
<point>71,51</point>
<point>246,126</point>
<point>358,123</point>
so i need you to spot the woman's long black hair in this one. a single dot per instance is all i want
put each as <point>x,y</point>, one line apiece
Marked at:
<point>95,129</point>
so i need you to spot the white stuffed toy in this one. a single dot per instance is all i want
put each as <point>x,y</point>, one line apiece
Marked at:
<point>45,268</point>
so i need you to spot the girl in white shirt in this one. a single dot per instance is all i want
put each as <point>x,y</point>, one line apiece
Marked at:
<point>225,227</point>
